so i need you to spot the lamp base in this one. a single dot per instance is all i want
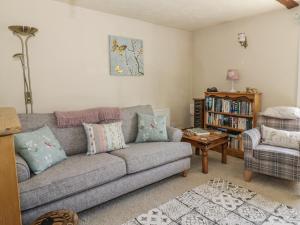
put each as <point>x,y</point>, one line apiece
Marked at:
<point>232,87</point>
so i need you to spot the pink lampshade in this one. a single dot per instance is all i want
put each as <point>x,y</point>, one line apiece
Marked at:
<point>233,74</point>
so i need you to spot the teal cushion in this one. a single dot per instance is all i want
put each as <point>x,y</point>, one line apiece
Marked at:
<point>39,148</point>
<point>151,128</point>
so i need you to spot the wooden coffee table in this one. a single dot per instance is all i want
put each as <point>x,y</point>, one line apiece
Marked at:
<point>208,142</point>
<point>58,217</point>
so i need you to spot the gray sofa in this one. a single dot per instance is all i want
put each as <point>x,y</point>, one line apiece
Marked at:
<point>81,182</point>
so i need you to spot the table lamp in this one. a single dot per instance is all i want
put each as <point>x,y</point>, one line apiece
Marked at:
<point>232,75</point>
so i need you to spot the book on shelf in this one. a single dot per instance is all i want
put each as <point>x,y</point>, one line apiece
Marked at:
<point>198,131</point>
<point>234,141</point>
<point>217,104</point>
<point>229,121</point>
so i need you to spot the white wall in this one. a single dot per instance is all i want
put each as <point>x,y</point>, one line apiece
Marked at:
<point>70,63</point>
<point>269,63</point>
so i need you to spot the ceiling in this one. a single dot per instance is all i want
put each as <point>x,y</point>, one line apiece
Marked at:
<point>183,14</point>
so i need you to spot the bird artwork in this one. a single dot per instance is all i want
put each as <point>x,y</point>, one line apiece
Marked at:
<point>126,56</point>
<point>120,49</point>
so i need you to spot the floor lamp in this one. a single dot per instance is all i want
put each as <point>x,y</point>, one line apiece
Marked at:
<point>24,33</point>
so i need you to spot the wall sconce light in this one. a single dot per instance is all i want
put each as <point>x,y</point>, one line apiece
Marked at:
<point>242,39</point>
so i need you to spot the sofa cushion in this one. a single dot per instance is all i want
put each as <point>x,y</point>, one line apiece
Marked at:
<point>285,156</point>
<point>75,174</point>
<point>23,171</point>
<point>104,137</point>
<point>151,128</point>
<point>39,148</point>
<point>73,140</point>
<point>143,156</point>
<point>130,120</point>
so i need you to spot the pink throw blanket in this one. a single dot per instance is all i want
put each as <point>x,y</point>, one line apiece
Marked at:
<point>95,115</point>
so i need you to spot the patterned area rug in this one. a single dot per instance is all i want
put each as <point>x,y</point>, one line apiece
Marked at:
<point>219,202</point>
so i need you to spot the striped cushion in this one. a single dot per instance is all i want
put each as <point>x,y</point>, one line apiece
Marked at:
<point>104,137</point>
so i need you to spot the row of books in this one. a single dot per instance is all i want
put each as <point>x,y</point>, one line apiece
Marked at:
<point>229,121</point>
<point>234,142</point>
<point>228,106</point>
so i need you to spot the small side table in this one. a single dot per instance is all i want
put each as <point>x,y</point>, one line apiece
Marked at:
<point>208,142</point>
<point>58,217</point>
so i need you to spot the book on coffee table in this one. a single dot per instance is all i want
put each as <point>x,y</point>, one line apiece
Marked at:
<point>198,131</point>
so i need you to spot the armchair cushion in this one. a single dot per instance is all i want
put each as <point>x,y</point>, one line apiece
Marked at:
<point>174,134</point>
<point>285,156</point>
<point>23,171</point>
<point>280,138</point>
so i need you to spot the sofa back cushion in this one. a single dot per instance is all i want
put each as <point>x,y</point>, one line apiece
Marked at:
<point>73,140</point>
<point>130,120</point>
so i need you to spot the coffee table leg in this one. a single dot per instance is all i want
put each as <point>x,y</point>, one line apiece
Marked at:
<point>224,154</point>
<point>204,160</point>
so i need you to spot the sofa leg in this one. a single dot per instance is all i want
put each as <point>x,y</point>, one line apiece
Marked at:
<point>184,173</point>
<point>248,175</point>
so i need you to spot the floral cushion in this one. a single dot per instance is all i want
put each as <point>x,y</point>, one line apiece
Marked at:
<point>39,148</point>
<point>104,137</point>
<point>281,138</point>
<point>151,128</point>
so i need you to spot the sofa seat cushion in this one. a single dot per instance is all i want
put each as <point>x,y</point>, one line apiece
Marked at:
<point>281,155</point>
<point>143,156</point>
<point>76,174</point>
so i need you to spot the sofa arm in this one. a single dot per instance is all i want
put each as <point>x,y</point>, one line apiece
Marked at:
<point>174,134</point>
<point>23,170</point>
<point>251,138</point>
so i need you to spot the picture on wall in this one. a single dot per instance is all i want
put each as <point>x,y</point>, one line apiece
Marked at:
<point>126,56</point>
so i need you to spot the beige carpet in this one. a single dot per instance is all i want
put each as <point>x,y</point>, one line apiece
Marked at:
<point>124,208</point>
